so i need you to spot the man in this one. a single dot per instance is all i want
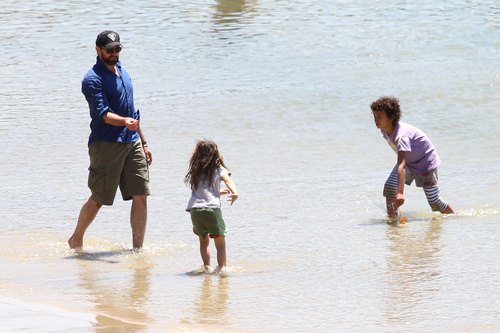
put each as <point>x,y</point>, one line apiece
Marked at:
<point>119,154</point>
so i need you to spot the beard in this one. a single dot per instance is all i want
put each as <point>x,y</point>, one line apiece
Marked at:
<point>110,61</point>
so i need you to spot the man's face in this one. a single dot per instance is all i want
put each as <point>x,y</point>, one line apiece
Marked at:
<point>109,56</point>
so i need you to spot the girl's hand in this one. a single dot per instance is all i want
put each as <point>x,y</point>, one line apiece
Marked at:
<point>225,191</point>
<point>232,197</point>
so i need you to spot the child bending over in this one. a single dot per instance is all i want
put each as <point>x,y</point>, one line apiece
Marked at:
<point>417,158</point>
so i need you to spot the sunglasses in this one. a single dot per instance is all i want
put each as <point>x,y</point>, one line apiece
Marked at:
<point>115,49</point>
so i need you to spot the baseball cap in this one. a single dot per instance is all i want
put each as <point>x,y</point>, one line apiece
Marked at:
<point>108,39</point>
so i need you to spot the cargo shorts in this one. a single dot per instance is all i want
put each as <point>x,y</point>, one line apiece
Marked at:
<point>114,164</point>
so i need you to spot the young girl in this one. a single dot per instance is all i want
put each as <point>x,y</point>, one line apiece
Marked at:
<point>417,158</point>
<point>206,171</point>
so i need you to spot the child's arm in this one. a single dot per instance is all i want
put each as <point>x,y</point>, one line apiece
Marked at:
<point>231,190</point>
<point>401,167</point>
<point>224,191</point>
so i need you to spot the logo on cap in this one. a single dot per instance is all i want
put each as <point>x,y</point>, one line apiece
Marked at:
<point>112,36</point>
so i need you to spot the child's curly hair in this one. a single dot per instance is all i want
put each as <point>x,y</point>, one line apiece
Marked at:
<point>389,105</point>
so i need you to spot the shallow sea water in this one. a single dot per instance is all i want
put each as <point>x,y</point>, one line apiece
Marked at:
<point>284,88</point>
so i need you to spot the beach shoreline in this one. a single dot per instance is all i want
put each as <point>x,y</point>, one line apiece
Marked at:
<point>21,315</point>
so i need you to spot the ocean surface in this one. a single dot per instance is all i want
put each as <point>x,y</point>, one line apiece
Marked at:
<point>284,88</point>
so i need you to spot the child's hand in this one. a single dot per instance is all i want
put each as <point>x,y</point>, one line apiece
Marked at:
<point>225,191</point>
<point>232,197</point>
<point>400,199</point>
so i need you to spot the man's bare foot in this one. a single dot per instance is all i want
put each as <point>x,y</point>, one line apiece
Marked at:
<point>75,245</point>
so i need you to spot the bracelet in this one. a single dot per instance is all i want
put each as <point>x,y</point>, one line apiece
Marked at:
<point>145,144</point>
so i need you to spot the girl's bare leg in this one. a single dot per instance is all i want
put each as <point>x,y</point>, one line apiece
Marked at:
<point>220,245</point>
<point>205,250</point>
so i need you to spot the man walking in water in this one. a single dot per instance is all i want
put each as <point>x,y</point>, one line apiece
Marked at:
<point>118,151</point>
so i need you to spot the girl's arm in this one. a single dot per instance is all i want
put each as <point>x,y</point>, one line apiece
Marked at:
<point>231,187</point>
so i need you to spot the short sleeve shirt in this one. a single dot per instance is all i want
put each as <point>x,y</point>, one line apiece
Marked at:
<point>208,195</point>
<point>421,156</point>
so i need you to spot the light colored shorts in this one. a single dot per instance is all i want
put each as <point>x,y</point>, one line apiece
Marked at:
<point>208,221</point>
<point>425,180</point>
<point>114,164</point>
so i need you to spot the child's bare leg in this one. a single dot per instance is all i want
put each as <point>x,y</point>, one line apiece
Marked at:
<point>205,250</point>
<point>392,208</point>
<point>220,245</point>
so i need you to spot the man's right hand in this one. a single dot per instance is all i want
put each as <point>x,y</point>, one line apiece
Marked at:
<point>131,123</point>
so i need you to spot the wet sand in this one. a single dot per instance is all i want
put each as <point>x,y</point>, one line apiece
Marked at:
<point>22,316</point>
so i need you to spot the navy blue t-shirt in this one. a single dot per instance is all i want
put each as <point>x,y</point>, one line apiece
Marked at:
<point>107,92</point>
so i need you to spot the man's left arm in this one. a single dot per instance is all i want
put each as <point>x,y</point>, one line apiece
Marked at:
<point>145,146</point>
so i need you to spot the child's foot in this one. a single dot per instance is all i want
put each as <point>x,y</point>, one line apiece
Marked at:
<point>205,269</point>
<point>208,269</point>
<point>221,270</point>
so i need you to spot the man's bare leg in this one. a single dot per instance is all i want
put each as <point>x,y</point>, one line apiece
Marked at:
<point>138,219</point>
<point>88,213</point>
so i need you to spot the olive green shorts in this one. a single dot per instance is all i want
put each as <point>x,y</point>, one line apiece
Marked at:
<point>208,221</point>
<point>114,164</point>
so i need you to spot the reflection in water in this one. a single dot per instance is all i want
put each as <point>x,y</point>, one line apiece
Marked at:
<point>118,305</point>
<point>211,308</point>
<point>229,13</point>
<point>413,272</point>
